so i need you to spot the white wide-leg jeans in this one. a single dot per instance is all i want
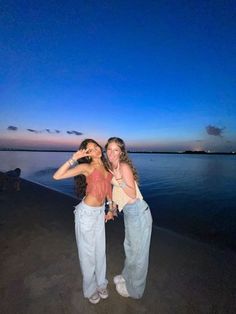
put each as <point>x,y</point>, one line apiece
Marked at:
<point>90,239</point>
<point>138,229</point>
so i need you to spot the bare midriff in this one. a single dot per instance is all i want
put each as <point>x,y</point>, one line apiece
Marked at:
<point>93,201</point>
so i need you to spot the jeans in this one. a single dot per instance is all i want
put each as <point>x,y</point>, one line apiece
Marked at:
<point>138,229</point>
<point>90,239</point>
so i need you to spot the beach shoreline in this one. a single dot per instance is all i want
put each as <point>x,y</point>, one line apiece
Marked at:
<point>40,269</point>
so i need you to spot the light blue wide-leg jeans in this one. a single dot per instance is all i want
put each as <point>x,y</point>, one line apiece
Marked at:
<point>90,239</point>
<point>138,229</point>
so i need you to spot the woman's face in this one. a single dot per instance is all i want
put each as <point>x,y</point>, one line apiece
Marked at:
<point>113,152</point>
<point>94,150</point>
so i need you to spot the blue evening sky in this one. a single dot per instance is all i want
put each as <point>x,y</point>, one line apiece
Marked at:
<point>159,74</point>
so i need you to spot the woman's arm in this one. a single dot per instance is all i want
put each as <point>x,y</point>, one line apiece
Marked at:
<point>65,171</point>
<point>126,180</point>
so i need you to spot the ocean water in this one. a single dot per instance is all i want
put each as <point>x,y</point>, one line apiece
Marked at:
<point>191,194</point>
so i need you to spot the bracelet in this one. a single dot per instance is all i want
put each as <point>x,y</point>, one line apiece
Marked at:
<point>72,162</point>
<point>122,184</point>
<point>118,178</point>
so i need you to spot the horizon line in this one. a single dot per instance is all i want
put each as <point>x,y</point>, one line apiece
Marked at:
<point>129,151</point>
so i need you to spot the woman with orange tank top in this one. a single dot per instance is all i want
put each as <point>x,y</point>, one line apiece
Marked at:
<point>89,163</point>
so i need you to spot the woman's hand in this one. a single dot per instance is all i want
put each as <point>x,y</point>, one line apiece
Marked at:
<point>70,168</point>
<point>109,216</point>
<point>116,172</point>
<point>80,154</point>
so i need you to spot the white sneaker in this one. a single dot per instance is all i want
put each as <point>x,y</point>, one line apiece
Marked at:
<point>103,293</point>
<point>122,290</point>
<point>95,298</point>
<point>118,279</point>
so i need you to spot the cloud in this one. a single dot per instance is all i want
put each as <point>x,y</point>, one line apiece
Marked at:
<point>74,132</point>
<point>43,131</point>
<point>52,131</point>
<point>12,128</point>
<point>214,130</point>
<point>33,131</point>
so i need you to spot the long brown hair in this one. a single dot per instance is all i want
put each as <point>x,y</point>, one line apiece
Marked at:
<point>80,180</point>
<point>124,155</point>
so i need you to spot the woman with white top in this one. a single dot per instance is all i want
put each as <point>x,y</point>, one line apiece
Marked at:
<point>137,220</point>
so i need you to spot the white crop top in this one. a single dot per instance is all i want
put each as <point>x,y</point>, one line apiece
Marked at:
<point>119,197</point>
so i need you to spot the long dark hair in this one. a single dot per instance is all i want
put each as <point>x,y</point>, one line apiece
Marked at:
<point>124,155</point>
<point>80,180</point>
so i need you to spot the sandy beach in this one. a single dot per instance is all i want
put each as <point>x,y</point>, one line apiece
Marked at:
<point>40,273</point>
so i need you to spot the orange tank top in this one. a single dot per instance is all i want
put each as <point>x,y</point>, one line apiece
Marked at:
<point>98,185</point>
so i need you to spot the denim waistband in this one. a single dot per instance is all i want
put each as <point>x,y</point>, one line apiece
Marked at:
<point>87,207</point>
<point>138,205</point>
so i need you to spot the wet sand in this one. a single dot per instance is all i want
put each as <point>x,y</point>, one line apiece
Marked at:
<point>40,273</point>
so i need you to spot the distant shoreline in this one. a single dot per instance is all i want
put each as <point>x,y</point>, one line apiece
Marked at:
<point>129,151</point>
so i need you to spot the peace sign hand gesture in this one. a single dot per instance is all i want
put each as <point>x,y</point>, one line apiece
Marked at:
<point>80,154</point>
<point>116,172</point>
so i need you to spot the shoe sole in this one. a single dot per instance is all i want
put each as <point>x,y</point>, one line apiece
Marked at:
<point>95,301</point>
<point>92,302</point>
<point>103,297</point>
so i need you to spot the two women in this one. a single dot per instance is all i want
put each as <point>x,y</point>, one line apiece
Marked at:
<point>89,218</point>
